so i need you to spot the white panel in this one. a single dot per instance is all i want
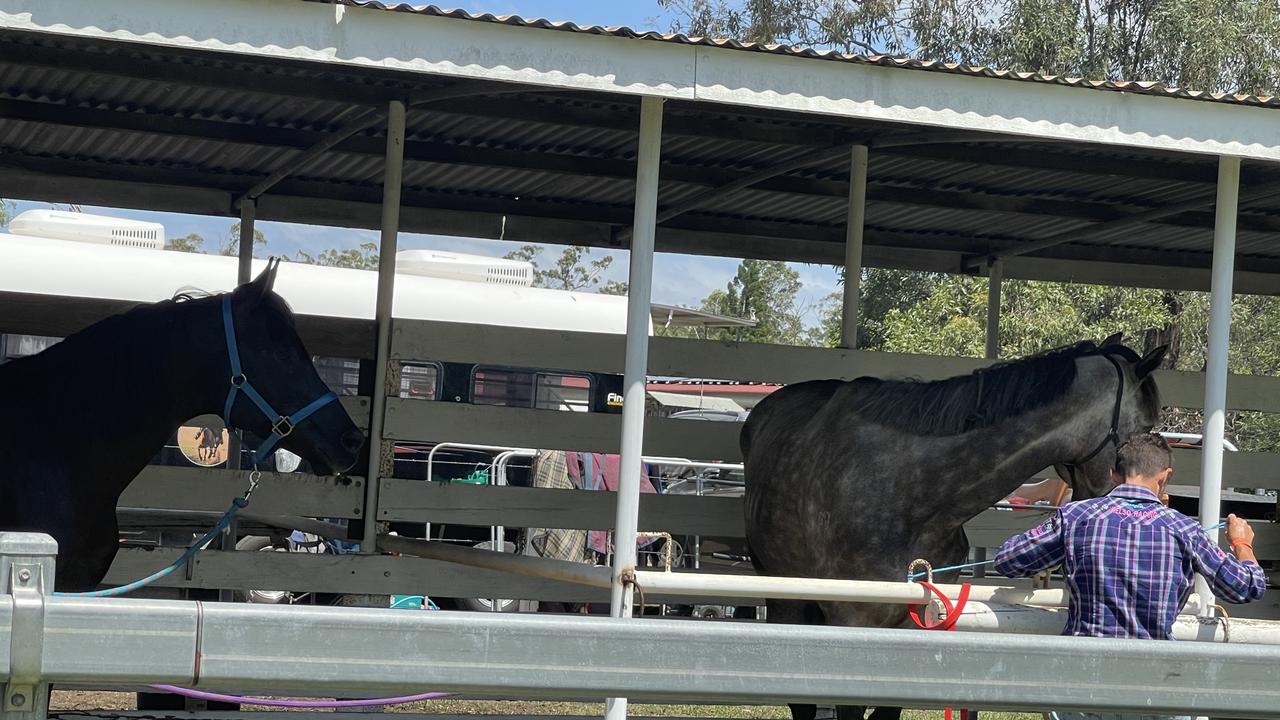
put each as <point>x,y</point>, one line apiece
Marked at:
<point>439,46</point>
<point>371,38</point>
<point>942,99</point>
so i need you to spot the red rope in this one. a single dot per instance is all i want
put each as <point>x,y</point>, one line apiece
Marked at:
<point>947,623</point>
<point>953,611</point>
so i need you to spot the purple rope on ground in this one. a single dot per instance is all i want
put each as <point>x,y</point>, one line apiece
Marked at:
<point>310,704</point>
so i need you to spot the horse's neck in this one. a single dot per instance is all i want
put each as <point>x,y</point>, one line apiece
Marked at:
<point>1014,450</point>
<point>154,378</point>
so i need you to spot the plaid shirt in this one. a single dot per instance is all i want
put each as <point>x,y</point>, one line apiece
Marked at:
<point>1129,563</point>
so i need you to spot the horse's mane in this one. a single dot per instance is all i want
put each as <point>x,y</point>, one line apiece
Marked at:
<point>117,331</point>
<point>983,398</point>
<point>273,300</point>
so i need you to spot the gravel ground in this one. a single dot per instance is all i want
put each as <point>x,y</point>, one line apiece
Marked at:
<point>69,700</point>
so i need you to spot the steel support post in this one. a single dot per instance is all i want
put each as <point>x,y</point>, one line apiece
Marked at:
<point>635,367</point>
<point>1215,373</point>
<point>854,226</point>
<point>27,573</point>
<point>995,284</point>
<point>392,174</point>
<point>244,273</point>
<point>248,216</point>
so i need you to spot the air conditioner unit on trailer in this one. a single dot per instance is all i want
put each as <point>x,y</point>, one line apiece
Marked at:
<point>97,229</point>
<point>469,268</point>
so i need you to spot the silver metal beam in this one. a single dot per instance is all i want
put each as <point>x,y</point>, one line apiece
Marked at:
<point>1215,375</point>
<point>391,181</point>
<point>1137,218</point>
<point>635,367</point>
<point>331,651</point>
<point>853,232</point>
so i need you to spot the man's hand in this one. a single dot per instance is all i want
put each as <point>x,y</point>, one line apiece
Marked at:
<point>1241,536</point>
<point>1238,531</point>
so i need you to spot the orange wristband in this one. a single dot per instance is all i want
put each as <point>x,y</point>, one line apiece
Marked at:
<point>1240,544</point>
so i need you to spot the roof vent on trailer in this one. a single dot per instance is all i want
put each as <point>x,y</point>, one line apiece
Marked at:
<point>471,268</point>
<point>97,229</point>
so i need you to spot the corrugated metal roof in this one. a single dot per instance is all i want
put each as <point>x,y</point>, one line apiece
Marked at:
<point>101,124</point>
<point>1128,86</point>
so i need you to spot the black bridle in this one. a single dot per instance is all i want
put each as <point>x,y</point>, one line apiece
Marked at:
<point>1113,436</point>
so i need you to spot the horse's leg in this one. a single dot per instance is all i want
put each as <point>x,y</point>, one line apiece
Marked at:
<point>857,615</point>
<point>85,557</point>
<point>794,612</point>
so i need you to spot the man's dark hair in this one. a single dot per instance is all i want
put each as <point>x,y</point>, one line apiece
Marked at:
<point>1143,454</point>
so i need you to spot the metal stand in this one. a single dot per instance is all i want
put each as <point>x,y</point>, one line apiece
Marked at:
<point>27,567</point>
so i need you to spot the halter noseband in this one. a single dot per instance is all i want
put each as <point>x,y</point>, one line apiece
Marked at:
<point>282,425</point>
<point>1113,436</point>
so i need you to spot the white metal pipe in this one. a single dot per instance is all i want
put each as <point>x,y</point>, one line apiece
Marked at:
<point>497,533</point>
<point>636,365</point>
<point>855,223</point>
<point>1215,372</point>
<point>1197,437</point>
<point>869,591</point>
<point>431,455</point>
<point>1002,618</point>
<point>391,180</point>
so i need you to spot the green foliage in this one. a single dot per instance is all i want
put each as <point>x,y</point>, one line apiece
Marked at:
<point>614,287</point>
<point>6,212</point>
<point>364,257</point>
<point>571,271</point>
<point>231,246</point>
<point>1034,316</point>
<point>1202,44</point>
<point>764,291</point>
<point>192,243</point>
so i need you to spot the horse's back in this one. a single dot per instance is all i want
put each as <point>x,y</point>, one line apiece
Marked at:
<point>786,404</point>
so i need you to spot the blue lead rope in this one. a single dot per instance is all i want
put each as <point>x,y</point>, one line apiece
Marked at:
<point>281,426</point>
<point>197,546</point>
<point>911,577</point>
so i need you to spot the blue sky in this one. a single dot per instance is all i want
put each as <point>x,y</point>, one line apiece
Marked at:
<point>678,279</point>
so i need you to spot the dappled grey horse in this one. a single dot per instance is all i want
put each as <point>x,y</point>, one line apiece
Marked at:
<point>856,479</point>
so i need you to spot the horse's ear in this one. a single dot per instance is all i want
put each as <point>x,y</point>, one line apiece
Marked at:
<point>262,285</point>
<point>1113,339</point>
<point>1150,361</point>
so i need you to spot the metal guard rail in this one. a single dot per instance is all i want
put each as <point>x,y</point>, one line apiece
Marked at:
<point>361,652</point>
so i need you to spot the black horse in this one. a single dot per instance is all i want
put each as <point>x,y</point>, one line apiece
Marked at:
<point>856,479</point>
<point>138,376</point>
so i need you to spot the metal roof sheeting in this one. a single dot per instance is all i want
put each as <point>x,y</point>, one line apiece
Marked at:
<point>133,125</point>
<point>1128,86</point>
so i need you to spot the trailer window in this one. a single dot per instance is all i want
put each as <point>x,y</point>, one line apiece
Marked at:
<point>563,392</point>
<point>13,347</point>
<point>342,375</point>
<point>421,382</point>
<point>531,389</point>
<point>508,388</point>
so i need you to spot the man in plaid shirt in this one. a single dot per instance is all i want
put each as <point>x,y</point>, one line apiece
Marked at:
<point>1130,561</point>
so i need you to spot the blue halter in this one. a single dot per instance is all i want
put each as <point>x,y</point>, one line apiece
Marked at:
<point>282,425</point>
